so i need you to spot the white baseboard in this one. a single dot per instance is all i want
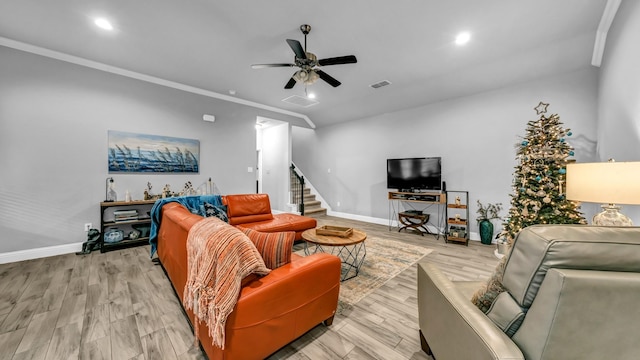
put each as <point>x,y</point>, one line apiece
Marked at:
<point>368,219</point>
<point>29,254</point>
<point>474,236</point>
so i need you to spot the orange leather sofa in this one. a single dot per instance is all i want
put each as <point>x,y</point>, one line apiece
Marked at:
<point>253,211</point>
<point>272,310</point>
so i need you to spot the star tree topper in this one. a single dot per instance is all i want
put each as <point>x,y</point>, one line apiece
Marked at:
<point>541,108</point>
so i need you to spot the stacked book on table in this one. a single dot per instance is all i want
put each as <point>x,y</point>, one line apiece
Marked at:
<point>125,215</point>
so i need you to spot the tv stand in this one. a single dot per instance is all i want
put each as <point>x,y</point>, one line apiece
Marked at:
<point>406,202</point>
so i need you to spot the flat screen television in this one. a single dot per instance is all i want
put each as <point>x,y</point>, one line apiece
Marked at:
<point>414,174</point>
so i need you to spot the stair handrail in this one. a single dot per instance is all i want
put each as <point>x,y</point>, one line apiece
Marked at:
<point>297,189</point>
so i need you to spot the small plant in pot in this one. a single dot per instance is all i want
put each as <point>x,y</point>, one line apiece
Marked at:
<point>485,215</point>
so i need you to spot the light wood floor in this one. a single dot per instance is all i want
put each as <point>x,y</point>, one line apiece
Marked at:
<point>119,305</point>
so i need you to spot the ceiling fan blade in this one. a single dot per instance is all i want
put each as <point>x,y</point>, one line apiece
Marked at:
<point>290,84</point>
<point>349,59</point>
<point>328,78</point>
<point>262,66</point>
<point>297,48</point>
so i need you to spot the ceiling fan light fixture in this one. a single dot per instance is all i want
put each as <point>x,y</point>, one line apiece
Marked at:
<point>306,77</point>
<point>312,77</point>
<point>300,76</point>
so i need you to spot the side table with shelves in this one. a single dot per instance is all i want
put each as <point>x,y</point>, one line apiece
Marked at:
<point>124,224</point>
<point>413,220</point>
<point>457,217</point>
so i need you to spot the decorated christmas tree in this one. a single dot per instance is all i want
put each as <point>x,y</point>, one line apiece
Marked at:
<point>539,179</point>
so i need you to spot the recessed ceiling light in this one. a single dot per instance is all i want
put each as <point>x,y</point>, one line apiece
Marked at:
<point>103,24</point>
<point>311,95</point>
<point>463,38</point>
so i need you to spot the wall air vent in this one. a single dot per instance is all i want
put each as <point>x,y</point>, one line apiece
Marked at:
<point>300,101</point>
<point>380,84</point>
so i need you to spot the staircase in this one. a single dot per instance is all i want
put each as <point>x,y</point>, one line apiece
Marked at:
<point>301,195</point>
<point>312,207</point>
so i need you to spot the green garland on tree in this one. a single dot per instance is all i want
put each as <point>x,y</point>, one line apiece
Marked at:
<point>539,179</point>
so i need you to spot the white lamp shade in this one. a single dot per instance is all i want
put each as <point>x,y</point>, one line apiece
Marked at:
<point>604,182</point>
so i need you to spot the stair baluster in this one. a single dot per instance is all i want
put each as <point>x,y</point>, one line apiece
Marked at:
<point>297,189</point>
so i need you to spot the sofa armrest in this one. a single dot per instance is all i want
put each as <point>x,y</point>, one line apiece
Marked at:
<point>453,327</point>
<point>284,289</point>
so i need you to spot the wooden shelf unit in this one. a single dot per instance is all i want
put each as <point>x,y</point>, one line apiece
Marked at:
<point>457,217</point>
<point>108,222</point>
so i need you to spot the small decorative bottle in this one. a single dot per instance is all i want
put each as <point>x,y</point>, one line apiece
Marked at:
<point>111,194</point>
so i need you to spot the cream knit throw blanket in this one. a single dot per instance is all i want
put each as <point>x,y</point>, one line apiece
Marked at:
<point>219,257</point>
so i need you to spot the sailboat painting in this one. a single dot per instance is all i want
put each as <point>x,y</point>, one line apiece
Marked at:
<point>141,153</point>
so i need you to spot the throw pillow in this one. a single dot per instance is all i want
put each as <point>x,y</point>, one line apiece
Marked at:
<point>219,211</point>
<point>275,248</point>
<point>484,297</point>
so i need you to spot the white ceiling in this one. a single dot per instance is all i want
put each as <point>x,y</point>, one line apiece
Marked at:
<point>210,44</point>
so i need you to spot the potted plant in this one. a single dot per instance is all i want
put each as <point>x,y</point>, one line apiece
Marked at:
<point>486,214</point>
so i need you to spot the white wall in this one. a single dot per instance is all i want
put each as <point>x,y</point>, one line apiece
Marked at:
<point>475,136</point>
<point>275,164</point>
<point>54,118</point>
<point>619,92</point>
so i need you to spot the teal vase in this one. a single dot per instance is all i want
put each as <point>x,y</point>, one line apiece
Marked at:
<point>486,232</point>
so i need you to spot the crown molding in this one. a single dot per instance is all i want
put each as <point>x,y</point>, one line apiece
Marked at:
<point>143,77</point>
<point>610,10</point>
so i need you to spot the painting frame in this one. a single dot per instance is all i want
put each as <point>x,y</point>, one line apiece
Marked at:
<point>129,153</point>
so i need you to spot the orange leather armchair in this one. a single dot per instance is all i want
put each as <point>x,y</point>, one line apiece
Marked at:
<point>253,211</point>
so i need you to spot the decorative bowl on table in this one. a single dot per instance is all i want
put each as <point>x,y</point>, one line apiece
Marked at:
<point>113,235</point>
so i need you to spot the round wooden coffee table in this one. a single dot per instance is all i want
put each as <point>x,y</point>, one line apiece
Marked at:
<point>351,249</point>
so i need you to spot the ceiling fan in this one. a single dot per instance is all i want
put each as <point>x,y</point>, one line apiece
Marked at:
<point>308,63</point>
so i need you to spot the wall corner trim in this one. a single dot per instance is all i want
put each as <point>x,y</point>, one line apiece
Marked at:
<point>610,10</point>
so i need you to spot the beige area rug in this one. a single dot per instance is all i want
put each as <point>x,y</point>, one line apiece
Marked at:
<point>384,260</point>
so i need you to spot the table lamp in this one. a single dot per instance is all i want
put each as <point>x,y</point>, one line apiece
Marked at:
<point>608,183</point>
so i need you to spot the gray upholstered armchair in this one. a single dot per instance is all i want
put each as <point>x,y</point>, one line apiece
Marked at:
<point>573,292</point>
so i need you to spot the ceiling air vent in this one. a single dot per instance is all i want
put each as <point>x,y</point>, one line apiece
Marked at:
<point>380,84</point>
<point>300,101</point>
